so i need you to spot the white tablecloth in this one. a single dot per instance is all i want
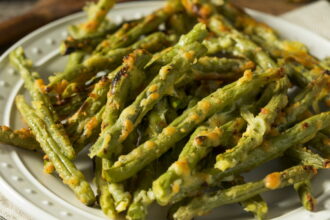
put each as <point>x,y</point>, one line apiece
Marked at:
<point>315,17</point>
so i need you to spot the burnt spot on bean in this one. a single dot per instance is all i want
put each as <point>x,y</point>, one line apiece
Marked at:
<point>305,125</point>
<point>311,201</point>
<point>121,73</point>
<point>200,139</point>
<point>326,164</point>
<point>69,49</point>
<point>48,89</point>
<point>310,169</point>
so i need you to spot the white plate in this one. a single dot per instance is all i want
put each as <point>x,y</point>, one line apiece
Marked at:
<point>45,197</point>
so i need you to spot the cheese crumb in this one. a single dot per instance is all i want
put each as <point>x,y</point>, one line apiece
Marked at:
<point>154,96</point>
<point>152,88</point>
<point>169,130</point>
<point>194,117</point>
<point>204,106</point>
<point>181,167</point>
<point>149,145</point>
<point>176,186</point>
<point>273,180</point>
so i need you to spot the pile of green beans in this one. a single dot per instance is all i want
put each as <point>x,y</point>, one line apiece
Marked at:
<point>180,114</point>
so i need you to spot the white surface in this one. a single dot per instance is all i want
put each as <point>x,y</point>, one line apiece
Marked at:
<point>43,196</point>
<point>315,17</point>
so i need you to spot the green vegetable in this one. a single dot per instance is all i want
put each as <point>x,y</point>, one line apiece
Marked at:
<point>41,102</point>
<point>201,205</point>
<point>66,169</point>
<point>105,199</point>
<point>243,45</point>
<point>22,138</point>
<point>256,205</point>
<point>161,85</point>
<point>215,68</point>
<point>129,164</point>
<point>146,25</point>
<point>79,75</point>
<point>255,132</point>
<point>77,123</point>
<point>270,149</point>
<point>304,191</point>
<point>143,195</point>
<point>267,37</point>
<point>96,16</point>
<point>321,142</point>
<point>127,81</point>
<point>66,107</point>
<point>199,145</point>
<point>301,103</point>
<point>307,157</point>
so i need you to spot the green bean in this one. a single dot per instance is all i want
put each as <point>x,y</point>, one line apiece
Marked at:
<point>275,146</point>
<point>256,205</point>
<point>94,102</point>
<point>243,45</point>
<point>132,115</point>
<point>84,35</point>
<point>267,37</point>
<point>73,60</point>
<point>199,145</point>
<point>224,135</point>
<point>307,157</point>
<point>22,138</point>
<point>48,165</point>
<point>90,131</point>
<point>224,45</point>
<point>321,142</point>
<point>143,195</point>
<point>304,191</point>
<point>96,14</point>
<point>41,102</point>
<point>127,165</point>
<point>121,198</point>
<point>270,149</point>
<point>105,199</point>
<point>127,81</point>
<point>157,118</point>
<point>201,8</point>
<point>98,97</point>
<point>203,204</point>
<point>180,23</point>
<point>66,107</point>
<point>79,75</point>
<point>325,63</point>
<point>64,167</point>
<point>214,68</point>
<point>304,100</point>
<point>254,134</point>
<point>80,42</point>
<point>197,34</point>
<point>145,26</point>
